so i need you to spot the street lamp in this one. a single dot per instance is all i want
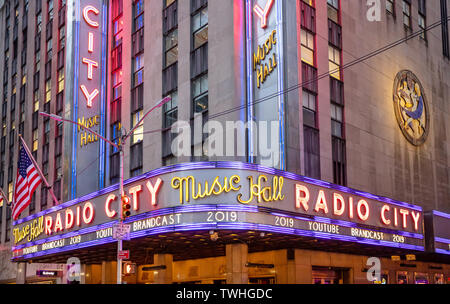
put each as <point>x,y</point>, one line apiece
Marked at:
<point>119,147</point>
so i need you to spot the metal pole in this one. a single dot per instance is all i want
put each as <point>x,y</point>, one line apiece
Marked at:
<point>119,242</point>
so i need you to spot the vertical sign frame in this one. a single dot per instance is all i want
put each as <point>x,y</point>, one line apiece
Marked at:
<point>86,72</point>
<point>252,94</point>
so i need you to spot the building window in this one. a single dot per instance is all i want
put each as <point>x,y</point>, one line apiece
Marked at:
<point>49,49</point>
<point>309,109</point>
<point>308,17</point>
<point>136,159</point>
<point>10,198</point>
<point>337,120</point>
<point>48,91</point>
<point>138,134</point>
<point>200,94</point>
<point>333,10</point>
<point>390,7</point>
<point>114,171</point>
<point>138,70</point>
<point>199,56</point>
<point>117,31</point>
<point>171,48</point>
<point>62,37</point>
<point>115,136</point>
<point>36,101</point>
<point>117,8</point>
<point>116,75</point>
<point>138,13</point>
<point>334,59</point>
<point>37,64</point>
<point>170,76</point>
<point>44,196</point>
<point>35,145</point>
<point>50,9</point>
<point>422,19</point>
<point>422,25</point>
<point>307,47</point>
<point>136,148</point>
<point>10,191</point>
<point>171,111</point>
<point>58,154</point>
<point>117,84</point>
<point>407,14</point>
<point>61,80</point>
<point>38,22</point>
<point>312,152</point>
<point>339,161</point>
<point>445,35</point>
<point>200,28</point>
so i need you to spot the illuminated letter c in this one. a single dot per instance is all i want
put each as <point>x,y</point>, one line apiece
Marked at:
<point>383,217</point>
<point>86,11</point>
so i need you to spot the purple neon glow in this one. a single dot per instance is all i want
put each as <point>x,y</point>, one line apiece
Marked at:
<point>226,226</point>
<point>442,240</point>
<point>443,251</point>
<point>102,154</point>
<point>66,235</point>
<point>165,211</point>
<point>217,165</point>
<point>75,97</point>
<point>441,214</point>
<point>355,225</point>
<point>194,208</point>
<point>329,236</point>
<point>199,208</point>
<point>250,110</point>
<point>349,224</point>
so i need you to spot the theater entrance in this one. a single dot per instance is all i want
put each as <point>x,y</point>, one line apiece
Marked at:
<point>330,275</point>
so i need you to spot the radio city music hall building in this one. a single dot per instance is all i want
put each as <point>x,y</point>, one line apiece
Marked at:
<point>359,162</point>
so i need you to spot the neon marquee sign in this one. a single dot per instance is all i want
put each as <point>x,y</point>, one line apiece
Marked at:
<point>223,195</point>
<point>91,64</point>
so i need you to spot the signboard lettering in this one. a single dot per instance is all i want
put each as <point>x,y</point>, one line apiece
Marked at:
<point>179,198</point>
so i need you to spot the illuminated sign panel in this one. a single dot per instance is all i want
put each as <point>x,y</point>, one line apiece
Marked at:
<point>437,225</point>
<point>87,65</point>
<point>223,195</point>
<point>265,70</point>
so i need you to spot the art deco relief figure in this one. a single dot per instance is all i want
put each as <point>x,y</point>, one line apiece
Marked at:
<point>411,108</point>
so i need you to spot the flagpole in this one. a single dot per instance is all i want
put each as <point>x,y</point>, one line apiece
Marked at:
<point>49,188</point>
<point>5,198</point>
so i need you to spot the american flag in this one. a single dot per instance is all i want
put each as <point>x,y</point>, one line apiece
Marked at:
<point>27,181</point>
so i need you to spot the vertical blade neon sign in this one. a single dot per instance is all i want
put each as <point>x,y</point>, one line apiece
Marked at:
<point>91,64</point>
<point>89,32</point>
<point>263,13</point>
<point>265,77</point>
